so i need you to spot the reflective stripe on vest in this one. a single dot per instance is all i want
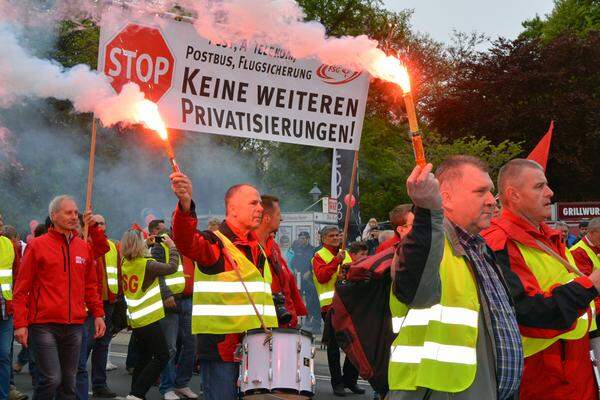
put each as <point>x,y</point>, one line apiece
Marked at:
<point>327,290</point>
<point>436,347</point>
<point>143,308</point>
<point>588,250</point>
<point>110,265</point>
<point>7,257</point>
<point>549,272</point>
<point>175,281</point>
<point>220,304</point>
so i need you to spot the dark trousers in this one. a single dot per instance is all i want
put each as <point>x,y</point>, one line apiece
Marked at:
<point>153,357</point>
<point>56,348</point>
<point>350,373</point>
<point>82,379</point>
<point>99,351</point>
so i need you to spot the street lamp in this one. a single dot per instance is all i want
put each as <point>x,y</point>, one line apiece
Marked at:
<point>315,192</point>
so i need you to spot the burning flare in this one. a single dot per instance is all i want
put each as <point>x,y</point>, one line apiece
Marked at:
<point>146,112</point>
<point>390,68</point>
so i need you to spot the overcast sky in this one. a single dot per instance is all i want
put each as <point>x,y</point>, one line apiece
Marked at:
<point>492,17</point>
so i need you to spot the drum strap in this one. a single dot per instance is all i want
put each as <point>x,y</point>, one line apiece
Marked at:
<point>554,254</point>
<point>233,263</point>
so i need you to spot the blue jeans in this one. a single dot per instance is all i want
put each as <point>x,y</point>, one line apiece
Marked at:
<point>83,381</point>
<point>56,348</point>
<point>178,372</point>
<point>99,349</point>
<point>6,339</point>
<point>219,379</point>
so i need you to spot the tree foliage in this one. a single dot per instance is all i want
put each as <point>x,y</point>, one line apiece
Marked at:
<point>512,91</point>
<point>568,16</point>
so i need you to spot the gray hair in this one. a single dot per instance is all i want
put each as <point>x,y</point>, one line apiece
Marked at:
<point>510,173</point>
<point>56,203</point>
<point>385,235</point>
<point>594,224</point>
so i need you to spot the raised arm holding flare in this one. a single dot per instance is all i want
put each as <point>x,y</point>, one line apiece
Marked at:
<point>457,335</point>
<point>221,309</point>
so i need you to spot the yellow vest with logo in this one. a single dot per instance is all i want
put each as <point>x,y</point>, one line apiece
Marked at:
<point>175,281</point>
<point>326,290</point>
<point>143,307</point>
<point>588,250</point>
<point>220,303</point>
<point>548,271</point>
<point>435,347</point>
<point>7,256</point>
<point>111,260</point>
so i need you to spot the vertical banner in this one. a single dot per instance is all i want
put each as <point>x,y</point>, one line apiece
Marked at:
<point>341,170</point>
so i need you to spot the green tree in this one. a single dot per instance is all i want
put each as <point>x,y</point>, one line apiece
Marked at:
<point>568,16</point>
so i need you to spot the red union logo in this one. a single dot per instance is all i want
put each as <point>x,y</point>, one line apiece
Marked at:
<point>336,74</point>
<point>140,54</point>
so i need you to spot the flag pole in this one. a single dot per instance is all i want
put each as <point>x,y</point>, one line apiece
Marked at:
<point>349,205</point>
<point>90,179</point>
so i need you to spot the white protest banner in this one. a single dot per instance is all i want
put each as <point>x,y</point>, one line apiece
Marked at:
<point>247,90</point>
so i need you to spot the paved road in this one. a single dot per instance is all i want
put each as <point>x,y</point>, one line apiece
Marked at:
<point>119,380</point>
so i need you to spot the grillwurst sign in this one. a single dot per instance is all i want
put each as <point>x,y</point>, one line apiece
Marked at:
<point>249,90</point>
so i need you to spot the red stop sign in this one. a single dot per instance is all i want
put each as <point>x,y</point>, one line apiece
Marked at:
<point>140,54</point>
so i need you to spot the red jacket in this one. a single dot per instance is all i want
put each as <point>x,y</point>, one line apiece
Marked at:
<point>583,261</point>
<point>188,273</point>
<point>562,371</point>
<point>287,285</point>
<point>324,271</point>
<point>57,281</point>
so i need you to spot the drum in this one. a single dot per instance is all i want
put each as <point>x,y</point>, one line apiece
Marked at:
<point>283,365</point>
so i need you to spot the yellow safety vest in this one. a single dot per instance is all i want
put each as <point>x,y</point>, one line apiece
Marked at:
<point>436,347</point>
<point>175,281</point>
<point>326,290</point>
<point>111,260</point>
<point>548,271</point>
<point>143,307</point>
<point>7,257</point>
<point>583,245</point>
<point>220,303</point>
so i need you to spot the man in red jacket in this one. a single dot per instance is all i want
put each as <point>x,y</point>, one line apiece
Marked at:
<point>551,303</point>
<point>57,281</point>
<point>218,369</point>
<point>326,264</point>
<point>105,269</point>
<point>283,279</point>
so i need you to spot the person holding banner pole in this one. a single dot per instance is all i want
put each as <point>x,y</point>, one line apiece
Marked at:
<point>223,308</point>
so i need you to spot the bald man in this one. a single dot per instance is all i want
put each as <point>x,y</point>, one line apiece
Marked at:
<point>221,310</point>
<point>552,304</point>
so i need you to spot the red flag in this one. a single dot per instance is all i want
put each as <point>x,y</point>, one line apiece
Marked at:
<point>540,153</point>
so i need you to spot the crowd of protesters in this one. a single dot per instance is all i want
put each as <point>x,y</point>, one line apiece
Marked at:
<point>522,299</point>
